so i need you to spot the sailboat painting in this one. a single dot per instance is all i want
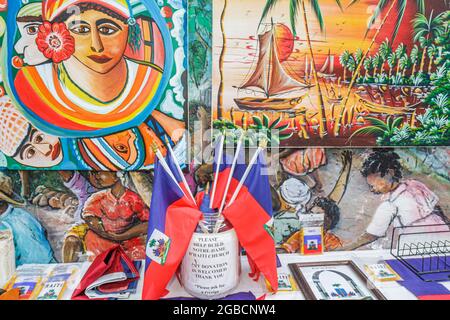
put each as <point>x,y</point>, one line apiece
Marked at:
<point>270,77</point>
<point>327,70</point>
<point>333,73</point>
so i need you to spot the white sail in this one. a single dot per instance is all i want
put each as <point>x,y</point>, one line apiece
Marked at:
<point>259,78</point>
<point>332,64</point>
<point>269,75</point>
<point>325,65</point>
<point>328,66</point>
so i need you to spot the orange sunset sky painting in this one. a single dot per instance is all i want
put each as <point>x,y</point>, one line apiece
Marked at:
<point>343,31</point>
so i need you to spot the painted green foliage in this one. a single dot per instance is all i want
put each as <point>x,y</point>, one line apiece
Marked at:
<point>432,37</point>
<point>200,14</point>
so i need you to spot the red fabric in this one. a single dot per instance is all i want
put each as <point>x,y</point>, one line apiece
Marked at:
<point>107,262</point>
<point>134,248</point>
<point>254,271</point>
<point>181,221</point>
<point>249,225</point>
<point>117,215</point>
<point>435,297</point>
<point>220,188</point>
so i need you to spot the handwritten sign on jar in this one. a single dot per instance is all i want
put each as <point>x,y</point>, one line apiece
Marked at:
<point>211,266</point>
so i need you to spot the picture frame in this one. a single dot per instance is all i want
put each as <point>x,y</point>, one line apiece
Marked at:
<point>333,280</point>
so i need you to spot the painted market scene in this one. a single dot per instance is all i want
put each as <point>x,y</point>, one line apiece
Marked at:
<point>224,150</point>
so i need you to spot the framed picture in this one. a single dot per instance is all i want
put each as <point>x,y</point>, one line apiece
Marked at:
<point>333,280</point>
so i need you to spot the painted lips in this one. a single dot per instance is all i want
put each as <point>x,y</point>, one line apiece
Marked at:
<point>56,151</point>
<point>100,59</point>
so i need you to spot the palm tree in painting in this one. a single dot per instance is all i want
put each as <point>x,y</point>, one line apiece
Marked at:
<point>384,50</point>
<point>414,56</point>
<point>358,55</point>
<point>377,62</point>
<point>432,51</point>
<point>391,61</point>
<point>382,4</point>
<point>425,29</point>
<point>399,53</point>
<point>351,64</point>
<point>368,66</point>
<point>405,63</point>
<point>343,59</point>
<point>294,7</point>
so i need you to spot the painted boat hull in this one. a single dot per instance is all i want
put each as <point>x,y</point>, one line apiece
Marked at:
<point>277,104</point>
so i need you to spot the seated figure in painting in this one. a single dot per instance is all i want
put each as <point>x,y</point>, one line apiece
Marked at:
<point>30,240</point>
<point>404,202</point>
<point>112,215</point>
<point>89,78</point>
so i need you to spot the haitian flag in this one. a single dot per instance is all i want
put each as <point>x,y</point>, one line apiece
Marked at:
<point>224,173</point>
<point>254,224</point>
<point>173,220</point>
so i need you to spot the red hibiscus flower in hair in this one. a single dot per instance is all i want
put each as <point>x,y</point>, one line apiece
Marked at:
<point>55,41</point>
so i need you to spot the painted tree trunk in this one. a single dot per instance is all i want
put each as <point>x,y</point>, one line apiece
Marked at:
<point>322,112</point>
<point>221,61</point>
<point>422,61</point>
<point>430,65</point>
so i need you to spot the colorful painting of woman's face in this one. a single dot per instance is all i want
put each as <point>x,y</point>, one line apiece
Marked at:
<point>100,40</point>
<point>26,45</point>
<point>39,150</point>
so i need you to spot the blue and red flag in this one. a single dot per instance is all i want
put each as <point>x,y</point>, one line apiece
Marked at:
<point>254,224</point>
<point>173,220</point>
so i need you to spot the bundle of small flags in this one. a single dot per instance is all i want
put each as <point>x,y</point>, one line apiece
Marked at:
<point>240,195</point>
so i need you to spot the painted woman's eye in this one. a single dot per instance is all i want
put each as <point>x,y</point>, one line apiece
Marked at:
<point>39,138</point>
<point>30,153</point>
<point>121,147</point>
<point>107,30</point>
<point>32,30</point>
<point>80,29</point>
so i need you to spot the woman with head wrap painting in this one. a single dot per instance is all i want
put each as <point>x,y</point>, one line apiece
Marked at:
<point>104,68</point>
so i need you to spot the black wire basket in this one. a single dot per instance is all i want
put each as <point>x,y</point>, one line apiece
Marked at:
<point>425,250</point>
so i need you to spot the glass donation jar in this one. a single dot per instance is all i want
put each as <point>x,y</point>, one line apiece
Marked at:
<point>211,267</point>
